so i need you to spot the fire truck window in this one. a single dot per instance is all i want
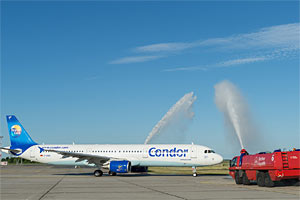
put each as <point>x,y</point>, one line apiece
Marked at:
<point>233,162</point>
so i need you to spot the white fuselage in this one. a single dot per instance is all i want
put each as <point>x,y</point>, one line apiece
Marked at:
<point>138,155</point>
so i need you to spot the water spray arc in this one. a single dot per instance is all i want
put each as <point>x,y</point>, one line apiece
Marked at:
<point>234,107</point>
<point>182,108</point>
<point>234,118</point>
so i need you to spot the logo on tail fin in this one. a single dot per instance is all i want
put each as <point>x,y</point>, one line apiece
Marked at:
<point>15,130</point>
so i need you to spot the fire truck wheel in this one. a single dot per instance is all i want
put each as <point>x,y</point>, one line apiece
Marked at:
<point>293,182</point>
<point>238,179</point>
<point>260,179</point>
<point>268,180</point>
<point>246,181</point>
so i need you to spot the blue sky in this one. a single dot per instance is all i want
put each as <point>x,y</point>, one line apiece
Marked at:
<point>106,72</point>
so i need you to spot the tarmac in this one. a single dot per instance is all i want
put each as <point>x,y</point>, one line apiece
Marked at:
<point>48,182</point>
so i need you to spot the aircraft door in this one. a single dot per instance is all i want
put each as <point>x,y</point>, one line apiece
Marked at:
<point>193,152</point>
<point>32,152</point>
<point>145,153</point>
<point>88,151</point>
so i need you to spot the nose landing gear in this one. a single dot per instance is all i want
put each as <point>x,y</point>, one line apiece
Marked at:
<point>194,172</point>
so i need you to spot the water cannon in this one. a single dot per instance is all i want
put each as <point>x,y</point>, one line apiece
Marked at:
<point>243,151</point>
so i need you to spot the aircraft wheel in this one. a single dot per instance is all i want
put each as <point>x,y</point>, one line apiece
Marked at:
<point>260,179</point>
<point>195,174</point>
<point>98,173</point>
<point>112,173</point>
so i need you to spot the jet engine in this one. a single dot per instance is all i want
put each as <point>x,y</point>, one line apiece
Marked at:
<point>123,166</point>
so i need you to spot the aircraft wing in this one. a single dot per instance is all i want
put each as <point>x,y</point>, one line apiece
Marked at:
<point>91,159</point>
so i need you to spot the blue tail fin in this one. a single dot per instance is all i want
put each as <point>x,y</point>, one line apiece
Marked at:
<point>19,138</point>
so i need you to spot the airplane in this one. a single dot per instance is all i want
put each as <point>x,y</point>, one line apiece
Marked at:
<point>116,158</point>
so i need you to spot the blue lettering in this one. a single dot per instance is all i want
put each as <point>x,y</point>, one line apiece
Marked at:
<point>150,151</point>
<point>158,152</point>
<point>172,152</point>
<point>179,154</point>
<point>185,152</point>
<point>165,151</point>
<point>154,152</point>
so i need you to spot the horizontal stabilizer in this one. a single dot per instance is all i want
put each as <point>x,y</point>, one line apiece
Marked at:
<point>10,150</point>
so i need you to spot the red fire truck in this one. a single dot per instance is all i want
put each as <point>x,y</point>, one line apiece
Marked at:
<point>266,168</point>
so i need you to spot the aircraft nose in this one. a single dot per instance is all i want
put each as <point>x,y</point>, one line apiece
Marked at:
<point>219,158</point>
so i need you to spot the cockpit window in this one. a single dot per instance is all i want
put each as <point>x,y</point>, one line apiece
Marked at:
<point>209,151</point>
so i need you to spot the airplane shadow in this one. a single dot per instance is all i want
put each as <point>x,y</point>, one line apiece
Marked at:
<point>165,175</point>
<point>139,174</point>
<point>74,174</point>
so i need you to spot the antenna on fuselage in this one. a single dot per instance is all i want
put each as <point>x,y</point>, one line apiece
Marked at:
<point>1,137</point>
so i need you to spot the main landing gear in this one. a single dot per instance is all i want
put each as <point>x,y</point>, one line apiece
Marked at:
<point>194,172</point>
<point>112,173</point>
<point>98,173</point>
